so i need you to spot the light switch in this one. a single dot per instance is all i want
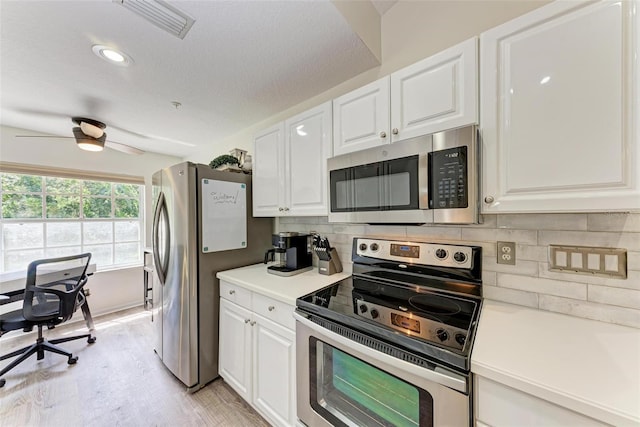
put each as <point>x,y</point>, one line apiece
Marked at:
<point>605,262</point>
<point>576,260</point>
<point>561,258</point>
<point>611,262</point>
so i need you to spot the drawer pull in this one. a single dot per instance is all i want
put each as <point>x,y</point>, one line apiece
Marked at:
<point>253,323</point>
<point>247,320</point>
<point>271,308</point>
<point>231,292</point>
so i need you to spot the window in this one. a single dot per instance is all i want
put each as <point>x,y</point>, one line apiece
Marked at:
<point>48,216</point>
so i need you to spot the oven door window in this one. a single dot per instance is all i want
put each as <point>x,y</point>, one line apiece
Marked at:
<point>388,185</point>
<point>347,391</point>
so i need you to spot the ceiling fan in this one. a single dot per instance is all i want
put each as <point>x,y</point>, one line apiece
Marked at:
<point>90,136</point>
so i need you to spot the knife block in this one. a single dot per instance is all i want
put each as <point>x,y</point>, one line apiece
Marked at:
<point>330,266</point>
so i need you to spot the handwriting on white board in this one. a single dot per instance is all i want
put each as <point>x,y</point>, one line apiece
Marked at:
<point>225,198</point>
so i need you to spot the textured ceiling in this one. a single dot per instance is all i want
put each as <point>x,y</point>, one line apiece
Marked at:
<point>242,62</point>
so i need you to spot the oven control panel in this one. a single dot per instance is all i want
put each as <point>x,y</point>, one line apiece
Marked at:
<point>436,254</point>
<point>412,325</point>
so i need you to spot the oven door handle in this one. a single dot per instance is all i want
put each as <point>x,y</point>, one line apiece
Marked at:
<point>438,375</point>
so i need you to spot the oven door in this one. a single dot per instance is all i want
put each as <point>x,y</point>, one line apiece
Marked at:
<point>343,383</point>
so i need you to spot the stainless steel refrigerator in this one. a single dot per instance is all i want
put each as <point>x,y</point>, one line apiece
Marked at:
<point>202,224</point>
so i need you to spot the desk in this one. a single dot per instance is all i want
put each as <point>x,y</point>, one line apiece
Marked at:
<point>12,286</point>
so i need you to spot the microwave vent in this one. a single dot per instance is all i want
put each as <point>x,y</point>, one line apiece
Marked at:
<point>161,14</point>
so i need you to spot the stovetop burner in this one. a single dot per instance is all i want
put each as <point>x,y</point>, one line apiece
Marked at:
<point>422,297</point>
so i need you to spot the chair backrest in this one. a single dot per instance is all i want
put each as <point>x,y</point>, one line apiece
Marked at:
<point>53,287</point>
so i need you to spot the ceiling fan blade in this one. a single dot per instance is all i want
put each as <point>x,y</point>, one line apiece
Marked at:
<point>123,148</point>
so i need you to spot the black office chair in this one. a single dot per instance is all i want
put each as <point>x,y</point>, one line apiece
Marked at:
<point>52,294</point>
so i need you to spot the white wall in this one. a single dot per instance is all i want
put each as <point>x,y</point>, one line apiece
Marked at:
<point>411,30</point>
<point>116,289</point>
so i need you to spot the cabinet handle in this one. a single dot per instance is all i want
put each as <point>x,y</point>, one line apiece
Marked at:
<point>247,320</point>
<point>271,308</point>
<point>252,323</point>
<point>394,131</point>
<point>280,209</point>
<point>489,199</point>
<point>383,134</point>
<point>231,292</point>
<point>286,209</point>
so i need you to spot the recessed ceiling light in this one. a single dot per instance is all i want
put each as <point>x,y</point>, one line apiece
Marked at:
<point>112,55</point>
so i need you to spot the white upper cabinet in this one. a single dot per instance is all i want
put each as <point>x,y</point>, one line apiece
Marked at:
<point>269,171</point>
<point>290,165</point>
<point>437,93</point>
<point>308,146</point>
<point>361,118</point>
<point>559,103</point>
<point>432,95</point>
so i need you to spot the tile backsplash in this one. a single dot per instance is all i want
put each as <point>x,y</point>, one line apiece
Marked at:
<point>529,282</point>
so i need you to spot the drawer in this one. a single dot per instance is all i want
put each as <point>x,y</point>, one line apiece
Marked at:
<point>235,293</point>
<point>274,310</point>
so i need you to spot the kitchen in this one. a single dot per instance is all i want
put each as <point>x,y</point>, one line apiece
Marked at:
<point>409,31</point>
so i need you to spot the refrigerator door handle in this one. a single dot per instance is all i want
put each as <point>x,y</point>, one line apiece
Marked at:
<point>161,214</point>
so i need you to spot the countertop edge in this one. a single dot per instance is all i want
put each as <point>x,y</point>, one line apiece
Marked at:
<point>557,397</point>
<point>253,288</point>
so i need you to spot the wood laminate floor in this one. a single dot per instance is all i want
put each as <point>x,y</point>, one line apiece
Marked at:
<point>118,381</point>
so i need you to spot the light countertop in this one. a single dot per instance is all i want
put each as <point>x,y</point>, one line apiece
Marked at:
<point>286,289</point>
<point>590,367</point>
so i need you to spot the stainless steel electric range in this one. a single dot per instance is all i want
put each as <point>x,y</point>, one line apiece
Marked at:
<point>391,345</point>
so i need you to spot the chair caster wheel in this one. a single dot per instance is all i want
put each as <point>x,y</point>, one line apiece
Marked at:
<point>72,360</point>
<point>91,340</point>
<point>2,382</point>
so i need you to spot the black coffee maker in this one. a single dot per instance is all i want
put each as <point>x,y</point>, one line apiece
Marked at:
<point>291,253</point>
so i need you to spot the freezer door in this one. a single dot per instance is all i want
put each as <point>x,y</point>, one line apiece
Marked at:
<point>180,296</point>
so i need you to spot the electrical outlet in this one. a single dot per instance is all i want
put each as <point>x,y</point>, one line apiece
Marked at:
<point>507,253</point>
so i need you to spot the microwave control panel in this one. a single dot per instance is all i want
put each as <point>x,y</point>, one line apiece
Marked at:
<point>449,181</point>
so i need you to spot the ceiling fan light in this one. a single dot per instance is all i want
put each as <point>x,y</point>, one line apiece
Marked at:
<point>88,143</point>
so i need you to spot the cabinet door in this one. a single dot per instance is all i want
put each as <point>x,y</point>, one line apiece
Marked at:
<point>437,93</point>
<point>269,172</point>
<point>274,371</point>
<point>559,103</point>
<point>235,347</point>
<point>308,146</point>
<point>361,118</point>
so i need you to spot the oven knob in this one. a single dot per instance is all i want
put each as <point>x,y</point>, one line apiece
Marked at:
<point>442,334</point>
<point>374,313</point>
<point>441,253</point>
<point>460,339</point>
<point>363,246</point>
<point>460,257</point>
<point>374,247</point>
<point>363,308</point>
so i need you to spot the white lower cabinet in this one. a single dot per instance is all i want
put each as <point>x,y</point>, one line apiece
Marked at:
<point>257,352</point>
<point>498,405</point>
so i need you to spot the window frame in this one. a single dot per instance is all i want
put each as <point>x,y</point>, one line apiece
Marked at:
<point>81,219</point>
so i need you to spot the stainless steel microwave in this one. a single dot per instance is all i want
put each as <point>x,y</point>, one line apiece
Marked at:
<point>427,179</point>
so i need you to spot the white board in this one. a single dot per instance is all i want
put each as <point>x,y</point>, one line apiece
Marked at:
<point>224,215</point>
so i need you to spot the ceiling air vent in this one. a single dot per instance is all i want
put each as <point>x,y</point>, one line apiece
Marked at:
<point>161,14</point>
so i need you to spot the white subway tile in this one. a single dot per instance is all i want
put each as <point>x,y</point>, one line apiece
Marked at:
<point>354,230</point>
<point>387,231</point>
<point>307,219</point>
<point>321,228</point>
<point>615,296</point>
<point>527,237</point>
<point>524,268</point>
<point>489,278</point>
<point>532,253</point>
<point>543,286</point>
<point>510,295</point>
<point>425,233</point>
<point>486,221</point>
<point>614,221</point>
<point>631,282</point>
<point>590,310</point>
<point>543,221</point>
<point>286,220</point>
<point>633,261</point>
<point>629,241</point>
